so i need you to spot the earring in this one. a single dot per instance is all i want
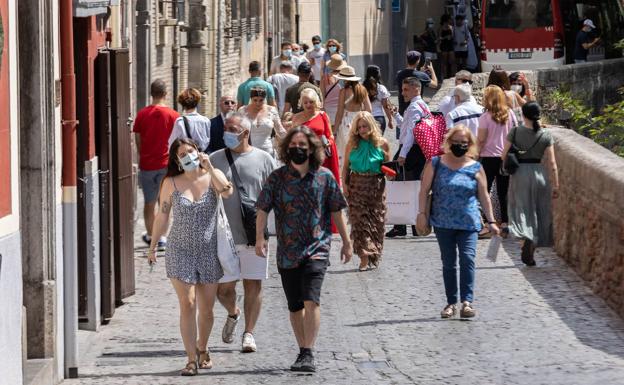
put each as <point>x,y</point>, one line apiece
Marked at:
<point>180,167</point>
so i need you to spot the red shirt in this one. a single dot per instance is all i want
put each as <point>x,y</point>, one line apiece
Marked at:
<point>154,123</point>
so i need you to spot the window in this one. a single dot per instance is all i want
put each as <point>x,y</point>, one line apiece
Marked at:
<point>518,14</point>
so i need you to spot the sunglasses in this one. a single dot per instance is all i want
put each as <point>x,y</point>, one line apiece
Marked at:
<point>229,102</point>
<point>465,81</point>
<point>331,46</point>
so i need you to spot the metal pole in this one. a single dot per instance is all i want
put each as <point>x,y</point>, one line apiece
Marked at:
<point>143,53</point>
<point>69,176</point>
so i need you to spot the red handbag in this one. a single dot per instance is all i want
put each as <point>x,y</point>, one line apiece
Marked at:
<point>429,132</point>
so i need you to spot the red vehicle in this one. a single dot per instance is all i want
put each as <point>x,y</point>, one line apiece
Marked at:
<point>521,34</point>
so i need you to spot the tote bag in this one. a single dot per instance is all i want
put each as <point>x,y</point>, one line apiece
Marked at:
<point>429,132</point>
<point>226,250</point>
<point>402,202</point>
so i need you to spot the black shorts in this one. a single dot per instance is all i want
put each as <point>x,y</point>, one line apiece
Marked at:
<point>304,283</point>
<point>461,54</point>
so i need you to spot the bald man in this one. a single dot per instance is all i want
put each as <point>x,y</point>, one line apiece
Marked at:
<point>227,103</point>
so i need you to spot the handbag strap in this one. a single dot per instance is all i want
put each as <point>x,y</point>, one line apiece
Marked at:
<point>235,176</point>
<point>187,127</point>
<point>330,90</point>
<point>533,145</point>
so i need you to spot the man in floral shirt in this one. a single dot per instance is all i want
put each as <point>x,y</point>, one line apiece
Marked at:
<point>305,197</point>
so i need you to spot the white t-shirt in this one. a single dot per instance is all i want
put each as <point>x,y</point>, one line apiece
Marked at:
<point>282,82</point>
<point>318,59</point>
<point>382,94</point>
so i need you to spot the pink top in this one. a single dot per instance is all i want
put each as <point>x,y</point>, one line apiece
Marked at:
<point>496,133</point>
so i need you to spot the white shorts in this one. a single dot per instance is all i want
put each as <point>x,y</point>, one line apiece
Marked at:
<point>251,266</point>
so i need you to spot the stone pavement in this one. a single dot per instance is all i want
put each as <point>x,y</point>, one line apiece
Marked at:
<point>538,325</point>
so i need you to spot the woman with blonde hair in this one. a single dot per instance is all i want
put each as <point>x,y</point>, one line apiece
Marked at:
<point>353,98</point>
<point>458,185</point>
<point>365,186</point>
<point>494,125</point>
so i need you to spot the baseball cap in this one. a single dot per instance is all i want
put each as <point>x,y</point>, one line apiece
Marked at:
<point>413,55</point>
<point>304,68</point>
<point>589,23</point>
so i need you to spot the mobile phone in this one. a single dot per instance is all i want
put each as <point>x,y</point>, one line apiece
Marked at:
<point>427,61</point>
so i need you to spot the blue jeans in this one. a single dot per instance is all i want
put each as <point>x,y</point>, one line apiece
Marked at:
<point>382,123</point>
<point>450,241</point>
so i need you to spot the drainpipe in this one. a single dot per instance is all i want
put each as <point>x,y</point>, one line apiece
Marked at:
<point>297,22</point>
<point>70,218</point>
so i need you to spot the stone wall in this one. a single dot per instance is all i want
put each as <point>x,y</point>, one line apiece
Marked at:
<point>589,214</point>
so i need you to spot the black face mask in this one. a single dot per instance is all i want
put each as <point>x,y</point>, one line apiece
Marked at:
<point>459,150</point>
<point>298,155</point>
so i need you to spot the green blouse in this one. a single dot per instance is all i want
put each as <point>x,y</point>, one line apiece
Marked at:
<point>366,158</point>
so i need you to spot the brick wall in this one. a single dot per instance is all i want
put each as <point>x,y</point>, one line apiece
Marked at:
<point>589,214</point>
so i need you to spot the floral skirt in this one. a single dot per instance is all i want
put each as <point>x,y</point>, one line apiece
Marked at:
<point>367,215</point>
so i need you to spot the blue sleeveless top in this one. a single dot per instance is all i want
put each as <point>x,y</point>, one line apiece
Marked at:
<point>455,203</point>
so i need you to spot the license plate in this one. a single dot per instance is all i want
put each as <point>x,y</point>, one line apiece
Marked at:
<point>520,55</point>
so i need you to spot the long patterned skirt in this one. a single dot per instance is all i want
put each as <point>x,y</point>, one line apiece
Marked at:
<point>367,215</point>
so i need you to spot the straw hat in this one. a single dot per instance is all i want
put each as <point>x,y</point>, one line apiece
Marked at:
<point>347,73</point>
<point>335,63</point>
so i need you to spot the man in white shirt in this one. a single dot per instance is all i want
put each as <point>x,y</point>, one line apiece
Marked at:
<point>282,81</point>
<point>315,57</point>
<point>298,53</point>
<point>286,55</point>
<point>447,104</point>
<point>467,112</point>
<point>409,155</point>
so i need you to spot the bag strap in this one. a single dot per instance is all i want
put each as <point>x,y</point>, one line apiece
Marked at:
<point>187,127</point>
<point>235,176</point>
<point>534,143</point>
<point>425,110</point>
<point>330,90</point>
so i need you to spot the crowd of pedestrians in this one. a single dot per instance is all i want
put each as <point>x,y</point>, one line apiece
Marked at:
<point>297,150</point>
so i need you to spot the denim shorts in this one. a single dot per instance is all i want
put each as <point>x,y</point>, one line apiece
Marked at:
<point>304,283</point>
<point>150,183</point>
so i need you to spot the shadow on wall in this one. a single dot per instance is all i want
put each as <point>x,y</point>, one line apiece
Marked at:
<point>372,40</point>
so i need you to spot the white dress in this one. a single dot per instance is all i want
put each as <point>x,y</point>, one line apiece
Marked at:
<point>262,128</point>
<point>342,136</point>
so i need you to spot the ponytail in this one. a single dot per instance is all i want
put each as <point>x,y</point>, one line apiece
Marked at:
<point>532,111</point>
<point>536,124</point>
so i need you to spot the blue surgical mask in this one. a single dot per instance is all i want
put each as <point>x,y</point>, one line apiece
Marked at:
<point>332,49</point>
<point>301,52</point>
<point>231,140</point>
<point>317,46</point>
<point>287,52</point>
<point>190,161</point>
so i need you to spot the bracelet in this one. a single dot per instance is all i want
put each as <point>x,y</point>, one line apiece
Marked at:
<point>492,223</point>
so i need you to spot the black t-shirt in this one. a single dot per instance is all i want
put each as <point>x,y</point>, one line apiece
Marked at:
<point>580,53</point>
<point>425,80</point>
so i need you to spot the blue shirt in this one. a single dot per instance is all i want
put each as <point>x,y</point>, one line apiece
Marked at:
<point>455,203</point>
<point>242,95</point>
<point>303,208</point>
<point>580,53</point>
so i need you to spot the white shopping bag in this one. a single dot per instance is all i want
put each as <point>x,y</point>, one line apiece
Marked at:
<point>271,223</point>
<point>402,202</point>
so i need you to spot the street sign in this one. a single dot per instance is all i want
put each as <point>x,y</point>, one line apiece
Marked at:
<point>396,5</point>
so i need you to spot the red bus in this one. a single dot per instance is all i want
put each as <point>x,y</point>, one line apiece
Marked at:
<point>521,34</point>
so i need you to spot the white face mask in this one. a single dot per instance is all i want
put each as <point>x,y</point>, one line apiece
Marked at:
<point>516,87</point>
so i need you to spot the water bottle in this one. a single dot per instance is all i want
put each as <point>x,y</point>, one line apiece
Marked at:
<point>493,248</point>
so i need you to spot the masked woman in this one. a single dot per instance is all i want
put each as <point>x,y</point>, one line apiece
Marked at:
<point>191,189</point>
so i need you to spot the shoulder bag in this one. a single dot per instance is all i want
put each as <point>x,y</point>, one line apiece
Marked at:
<point>324,139</point>
<point>429,132</point>
<point>423,225</point>
<point>248,205</point>
<point>226,250</point>
<point>511,162</point>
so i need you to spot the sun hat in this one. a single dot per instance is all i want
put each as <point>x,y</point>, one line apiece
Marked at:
<point>347,73</point>
<point>335,63</point>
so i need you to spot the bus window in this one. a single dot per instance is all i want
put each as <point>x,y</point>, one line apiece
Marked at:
<point>518,14</point>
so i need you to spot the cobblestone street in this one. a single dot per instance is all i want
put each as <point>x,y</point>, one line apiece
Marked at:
<point>537,325</point>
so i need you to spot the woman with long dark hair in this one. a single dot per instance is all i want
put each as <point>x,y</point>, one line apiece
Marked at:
<point>530,191</point>
<point>191,190</point>
<point>379,97</point>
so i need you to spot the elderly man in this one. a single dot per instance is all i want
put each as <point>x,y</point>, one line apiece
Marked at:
<point>467,111</point>
<point>447,104</point>
<point>409,155</point>
<point>227,104</point>
<point>247,167</point>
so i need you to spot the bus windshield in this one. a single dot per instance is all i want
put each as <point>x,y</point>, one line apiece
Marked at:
<point>518,14</point>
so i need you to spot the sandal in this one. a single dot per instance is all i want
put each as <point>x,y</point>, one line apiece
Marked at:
<point>448,311</point>
<point>203,358</point>
<point>467,311</point>
<point>190,369</point>
<point>485,234</point>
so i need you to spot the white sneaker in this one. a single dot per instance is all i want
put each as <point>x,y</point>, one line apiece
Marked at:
<point>249,343</point>
<point>227,335</point>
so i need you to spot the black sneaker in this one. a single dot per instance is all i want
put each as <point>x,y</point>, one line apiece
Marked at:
<point>396,233</point>
<point>297,365</point>
<point>307,363</point>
